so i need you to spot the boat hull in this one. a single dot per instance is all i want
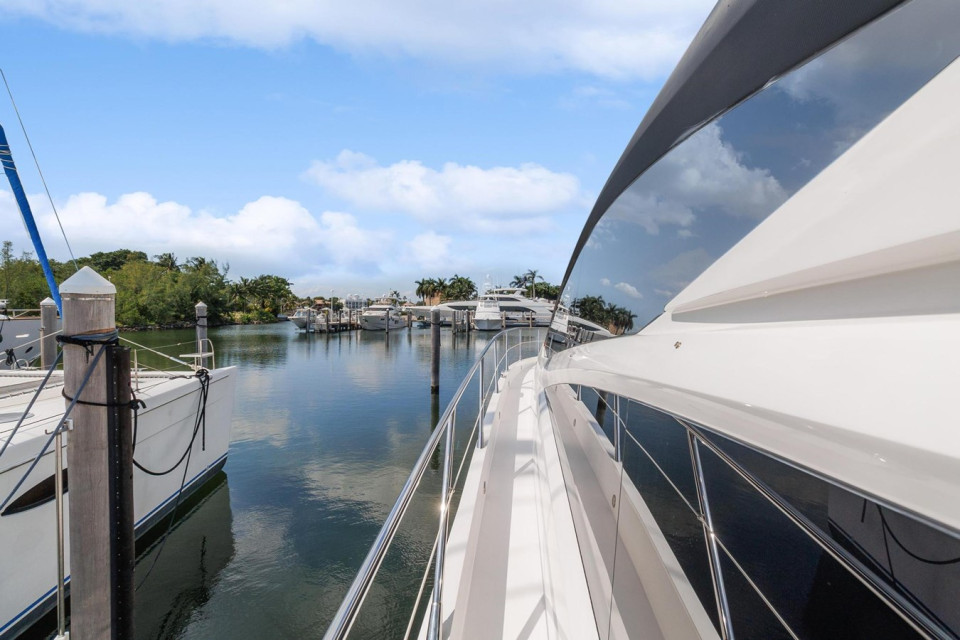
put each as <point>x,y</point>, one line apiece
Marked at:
<point>165,427</point>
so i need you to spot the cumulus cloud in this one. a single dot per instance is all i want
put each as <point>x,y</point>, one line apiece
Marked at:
<point>610,39</point>
<point>628,289</point>
<point>605,282</point>
<point>474,197</point>
<point>430,250</point>
<point>704,173</point>
<point>270,234</point>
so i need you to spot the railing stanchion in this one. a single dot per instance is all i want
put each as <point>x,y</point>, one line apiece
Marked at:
<point>480,441</point>
<point>433,631</point>
<point>719,591</point>
<point>61,562</point>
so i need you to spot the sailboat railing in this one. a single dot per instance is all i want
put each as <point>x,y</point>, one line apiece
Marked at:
<point>503,350</point>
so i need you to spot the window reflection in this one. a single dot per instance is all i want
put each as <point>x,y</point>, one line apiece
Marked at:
<point>712,189</point>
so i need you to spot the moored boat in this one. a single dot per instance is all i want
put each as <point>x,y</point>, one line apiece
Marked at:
<point>384,314</point>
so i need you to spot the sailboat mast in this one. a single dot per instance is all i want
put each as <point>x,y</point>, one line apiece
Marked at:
<point>6,156</point>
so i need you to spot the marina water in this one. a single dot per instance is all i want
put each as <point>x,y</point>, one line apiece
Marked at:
<point>325,432</point>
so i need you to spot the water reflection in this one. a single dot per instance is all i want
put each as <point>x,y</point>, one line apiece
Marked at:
<point>178,584</point>
<point>325,432</point>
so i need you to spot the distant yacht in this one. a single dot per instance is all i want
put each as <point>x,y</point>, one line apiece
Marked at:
<point>511,300</point>
<point>384,314</point>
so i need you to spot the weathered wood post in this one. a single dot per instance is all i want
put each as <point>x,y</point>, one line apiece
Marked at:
<point>326,317</point>
<point>48,330</point>
<point>386,318</point>
<point>101,551</point>
<point>435,351</point>
<point>409,320</point>
<point>470,315</point>
<point>201,310</point>
<point>503,319</point>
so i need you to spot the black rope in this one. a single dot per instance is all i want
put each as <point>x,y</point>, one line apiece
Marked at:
<point>88,340</point>
<point>200,424</point>
<point>204,376</point>
<point>919,558</point>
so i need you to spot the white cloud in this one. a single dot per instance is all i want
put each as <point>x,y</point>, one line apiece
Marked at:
<point>430,250</point>
<point>476,198</point>
<point>704,172</point>
<point>605,282</point>
<point>270,234</point>
<point>628,289</point>
<point>606,38</point>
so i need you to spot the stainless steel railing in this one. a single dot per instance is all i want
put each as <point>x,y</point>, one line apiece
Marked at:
<point>507,347</point>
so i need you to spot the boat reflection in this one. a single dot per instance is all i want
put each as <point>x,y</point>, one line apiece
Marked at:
<point>200,545</point>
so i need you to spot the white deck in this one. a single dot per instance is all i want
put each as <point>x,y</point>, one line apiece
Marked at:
<point>512,567</point>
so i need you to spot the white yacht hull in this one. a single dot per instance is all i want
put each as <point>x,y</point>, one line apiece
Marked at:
<point>379,322</point>
<point>28,565</point>
<point>488,324</point>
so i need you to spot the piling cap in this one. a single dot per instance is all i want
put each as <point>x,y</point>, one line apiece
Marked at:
<point>201,306</point>
<point>87,281</point>
<point>48,302</point>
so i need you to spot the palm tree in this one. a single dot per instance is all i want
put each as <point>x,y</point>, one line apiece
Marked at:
<point>531,276</point>
<point>518,281</point>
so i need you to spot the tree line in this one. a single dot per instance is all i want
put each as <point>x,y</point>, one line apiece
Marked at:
<point>153,292</point>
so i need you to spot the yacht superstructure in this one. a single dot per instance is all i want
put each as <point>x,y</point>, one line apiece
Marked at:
<point>763,443</point>
<point>518,309</point>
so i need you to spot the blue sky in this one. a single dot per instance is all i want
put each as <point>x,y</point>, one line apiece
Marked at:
<point>354,147</point>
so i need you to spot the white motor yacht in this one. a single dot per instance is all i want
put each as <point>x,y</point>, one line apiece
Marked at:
<point>384,314</point>
<point>519,310</point>
<point>303,317</point>
<point>487,315</point>
<point>766,446</point>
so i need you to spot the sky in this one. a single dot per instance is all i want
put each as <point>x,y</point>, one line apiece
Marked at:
<point>349,147</point>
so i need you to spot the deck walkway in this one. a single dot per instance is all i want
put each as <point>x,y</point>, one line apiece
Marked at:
<point>513,569</point>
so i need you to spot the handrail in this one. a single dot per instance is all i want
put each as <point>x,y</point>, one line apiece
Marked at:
<point>349,608</point>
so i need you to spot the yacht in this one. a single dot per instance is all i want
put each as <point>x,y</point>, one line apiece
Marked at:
<point>767,445</point>
<point>487,315</point>
<point>384,314</point>
<point>519,310</point>
<point>303,317</point>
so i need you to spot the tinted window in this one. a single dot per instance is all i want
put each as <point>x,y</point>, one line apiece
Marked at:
<point>713,188</point>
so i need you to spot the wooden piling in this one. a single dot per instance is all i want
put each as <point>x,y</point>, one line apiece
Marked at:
<point>435,351</point>
<point>88,309</point>
<point>387,321</point>
<point>48,330</point>
<point>201,310</point>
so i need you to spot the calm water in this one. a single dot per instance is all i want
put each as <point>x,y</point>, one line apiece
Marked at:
<point>325,432</point>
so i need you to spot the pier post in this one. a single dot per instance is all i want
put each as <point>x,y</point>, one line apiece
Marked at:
<point>101,549</point>
<point>201,309</point>
<point>387,321</point>
<point>470,315</point>
<point>503,319</point>
<point>435,351</point>
<point>48,330</point>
